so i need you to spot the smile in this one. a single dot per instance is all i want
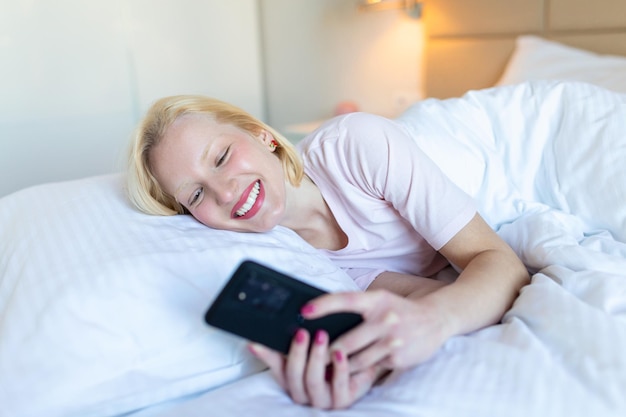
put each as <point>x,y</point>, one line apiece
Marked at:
<point>252,197</point>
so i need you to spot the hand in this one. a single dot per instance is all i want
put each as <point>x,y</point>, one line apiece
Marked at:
<point>321,377</point>
<point>396,332</point>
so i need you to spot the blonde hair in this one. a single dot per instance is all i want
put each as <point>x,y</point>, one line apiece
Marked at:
<point>145,192</point>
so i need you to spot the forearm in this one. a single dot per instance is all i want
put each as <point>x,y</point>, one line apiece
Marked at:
<point>408,318</point>
<point>480,296</point>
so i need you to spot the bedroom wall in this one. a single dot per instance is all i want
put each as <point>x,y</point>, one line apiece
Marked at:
<point>75,76</point>
<point>320,52</point>
<point>464,34</point>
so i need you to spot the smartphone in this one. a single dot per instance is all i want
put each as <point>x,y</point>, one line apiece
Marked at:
<point>263,305</point>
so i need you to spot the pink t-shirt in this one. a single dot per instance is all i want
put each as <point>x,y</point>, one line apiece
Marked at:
<point>394,204</point>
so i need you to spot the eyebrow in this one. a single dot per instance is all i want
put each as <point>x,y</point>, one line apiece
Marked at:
<point>177,191</point>
<point>205,153</point>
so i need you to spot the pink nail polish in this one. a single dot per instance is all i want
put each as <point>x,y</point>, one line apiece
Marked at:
<point>338,355</point>
<point>300,336</point>
<point>307,309</point>
<point>320,337</point>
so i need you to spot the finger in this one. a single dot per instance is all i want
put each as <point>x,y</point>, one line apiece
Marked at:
<point>356,385</point>
<point>342,396</point>
<point>368,334</point>
<point>335,303</point>
<point>274,360</point>
<point>356,302</point>
<point>316,385</point>
<point>384,352</point>
<point>362,382</point>
<point>296,365</point>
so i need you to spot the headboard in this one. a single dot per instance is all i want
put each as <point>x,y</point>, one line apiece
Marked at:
<point>469,42</point>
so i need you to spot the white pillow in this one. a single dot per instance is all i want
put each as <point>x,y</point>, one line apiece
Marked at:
<point>101,307</point>
<point>535,58</point>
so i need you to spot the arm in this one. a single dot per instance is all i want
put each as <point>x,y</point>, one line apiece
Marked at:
<point>491,278</point>
<point>489,283</point>
<point>407,319</point>
<point>402,332</point>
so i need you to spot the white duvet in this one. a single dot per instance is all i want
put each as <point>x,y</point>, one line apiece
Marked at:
<point>547,164</point>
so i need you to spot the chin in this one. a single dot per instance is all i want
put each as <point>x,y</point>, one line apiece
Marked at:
<point>254,229</point>
<point>261,224</point>
<point>263,229</point>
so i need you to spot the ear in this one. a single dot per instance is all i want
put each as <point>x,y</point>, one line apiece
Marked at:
<point>268,139</point>
<point>265,137</point>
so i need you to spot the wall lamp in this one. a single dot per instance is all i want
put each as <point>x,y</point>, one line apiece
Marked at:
<point>412,7</point>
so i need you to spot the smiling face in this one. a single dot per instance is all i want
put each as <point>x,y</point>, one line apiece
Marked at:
<point>226,178</point>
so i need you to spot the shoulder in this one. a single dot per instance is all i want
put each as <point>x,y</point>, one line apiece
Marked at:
<point>354,125</point>
<point>362,149</point>
<point>354,134</point>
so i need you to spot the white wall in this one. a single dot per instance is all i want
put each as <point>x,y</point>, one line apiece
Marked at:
<point>76,75</point>
<point>320,52</point>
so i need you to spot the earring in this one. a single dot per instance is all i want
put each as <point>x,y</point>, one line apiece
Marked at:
<point>273,145</point>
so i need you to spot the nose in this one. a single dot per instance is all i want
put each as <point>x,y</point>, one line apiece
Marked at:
<point>225,191</point>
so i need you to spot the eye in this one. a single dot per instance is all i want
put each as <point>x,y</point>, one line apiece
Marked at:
<point>195,197</point>
<point>222,157</point>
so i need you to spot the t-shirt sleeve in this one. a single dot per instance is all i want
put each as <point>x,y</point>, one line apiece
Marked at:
<point>382,159</point>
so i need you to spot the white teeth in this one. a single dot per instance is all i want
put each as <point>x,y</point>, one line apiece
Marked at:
<point>254,193</point>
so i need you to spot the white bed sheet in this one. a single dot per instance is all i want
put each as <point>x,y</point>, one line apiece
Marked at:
<point>550,176</point>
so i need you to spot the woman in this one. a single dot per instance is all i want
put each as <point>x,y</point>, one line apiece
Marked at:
<point>363,193</point>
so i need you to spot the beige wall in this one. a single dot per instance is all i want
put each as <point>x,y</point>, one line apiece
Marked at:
<point>478,36</point>
<point>320,52</point>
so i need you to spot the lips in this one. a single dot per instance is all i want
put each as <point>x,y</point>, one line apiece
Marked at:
<point>250,202</point>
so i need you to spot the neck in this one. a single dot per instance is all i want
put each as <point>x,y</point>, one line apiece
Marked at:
<point>309,216</point>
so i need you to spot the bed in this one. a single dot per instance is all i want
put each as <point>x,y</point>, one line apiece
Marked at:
<point>101,307</point>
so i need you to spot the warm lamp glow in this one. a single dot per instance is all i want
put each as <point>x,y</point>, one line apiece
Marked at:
<point>412,7</point>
